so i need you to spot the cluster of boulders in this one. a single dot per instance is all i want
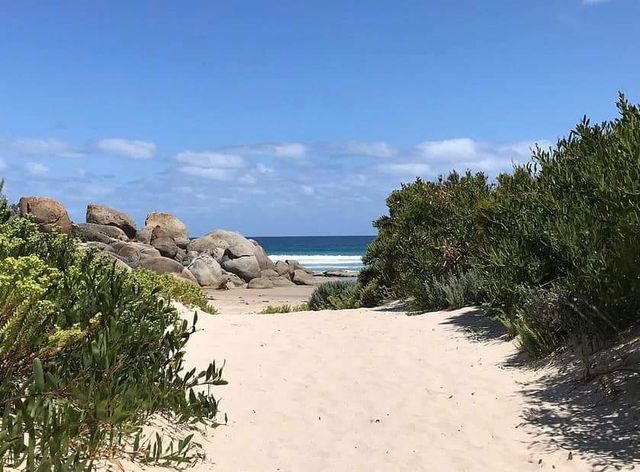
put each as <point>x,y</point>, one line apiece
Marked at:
<point>221,259</point>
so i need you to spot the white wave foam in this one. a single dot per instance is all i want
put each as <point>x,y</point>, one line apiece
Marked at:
<point>320,260</point>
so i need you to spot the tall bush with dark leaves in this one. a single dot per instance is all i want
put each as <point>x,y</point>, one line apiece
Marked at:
<point>553,246</point>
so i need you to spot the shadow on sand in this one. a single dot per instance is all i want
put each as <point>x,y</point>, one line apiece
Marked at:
<point>596,415</point>
<point>477,326</point>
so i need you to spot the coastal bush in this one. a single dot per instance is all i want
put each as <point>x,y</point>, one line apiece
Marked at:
<point>272,310</point>
<point>451,291</point>
<point>430,232</point>
<point>552,247</point>
<point>172,288</point>
<point>89,354</point>
<point>336,295</point>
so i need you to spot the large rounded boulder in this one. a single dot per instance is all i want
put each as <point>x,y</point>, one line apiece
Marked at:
<point>284,269</point>
<point>164,265</point>
<point>47,213</point>
<point>172,226</point>
<point>261,255</point>
<point>260,282</point>
<point>133,253</point>
<point>100,233</point>
<point>245,267</point>
<point>234,244</point>
<point>103,215</point>
<point>301,277</point>
<point>207,271</point>
<point>163,242</point>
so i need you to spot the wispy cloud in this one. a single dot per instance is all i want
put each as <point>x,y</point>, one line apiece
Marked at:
<point>133,148</point>
<point>287,150</point>
<point>414,169</point>
<point>465,153</point>
<point>210,159</point>
<point>594,2</point>
<point>37,169</point>
<point>25,147</point>
<point>268,181</point>
<point>208,173</point>
<point>360,148</point>
<point>28,147</point>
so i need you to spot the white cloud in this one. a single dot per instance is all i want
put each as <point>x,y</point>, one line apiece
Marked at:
<point>362,148</point>
<point>431,158</point>
<point>36,169</point>
<point>408,168</point>
<point>135,149</point>
<point>38,147</point>
<point>206,173</point>
<point>464,153</point>
<point>449,149</point>
<point>289,150</point>
<point>286,150</point>
<point>210,159</point>
<point>26,147</point>
<point>247,179</point>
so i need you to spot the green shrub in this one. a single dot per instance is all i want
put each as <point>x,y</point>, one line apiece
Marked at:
<point>370,295</point>
<point>555,243</point>
<point>89,353</point>
<point>172,288</point>
<point>430,232</point>
<point>451,291</point>
<point>335,295</point>
<point>271,310</point>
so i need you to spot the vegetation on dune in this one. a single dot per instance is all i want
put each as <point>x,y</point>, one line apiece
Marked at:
<point>272,310</point>
<point>173,288</point>
<point>551,249</point>
<point>343,294</point>
<point>89,353</point>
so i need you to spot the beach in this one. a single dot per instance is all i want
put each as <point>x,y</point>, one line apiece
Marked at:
<point>367,390</point>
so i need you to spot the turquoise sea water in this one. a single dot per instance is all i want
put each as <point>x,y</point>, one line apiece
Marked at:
<point>318,253</point>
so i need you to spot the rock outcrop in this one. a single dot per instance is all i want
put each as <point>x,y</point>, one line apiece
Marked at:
<point>301,277</point>
<point>260,282</point>
<point>245,267</point>
<point>207,271</point>
<point>232,243</point>
<point>172,226</point>
<point>104,215</point>
<point>96,232</point>
<point>164,265</point>
<point>221,259</point>
<point>261,255</point>
<point>47,213</point>
<point>133,253</point>
<point>281,282</point>
<point>164,242</point>
<point>284,269</point>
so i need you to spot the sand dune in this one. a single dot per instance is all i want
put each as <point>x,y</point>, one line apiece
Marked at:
<point>367,390</point>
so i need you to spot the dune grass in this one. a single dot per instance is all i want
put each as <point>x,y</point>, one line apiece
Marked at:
<point>272,310</point>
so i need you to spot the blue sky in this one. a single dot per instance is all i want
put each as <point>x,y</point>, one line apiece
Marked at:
<point>293,117</point>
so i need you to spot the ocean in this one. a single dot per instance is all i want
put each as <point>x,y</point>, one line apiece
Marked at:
<point>318,253</point>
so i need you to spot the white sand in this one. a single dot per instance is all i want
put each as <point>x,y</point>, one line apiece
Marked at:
<point>364,390</point>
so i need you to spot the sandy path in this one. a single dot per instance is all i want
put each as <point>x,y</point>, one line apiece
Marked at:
<point>364,390</point>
